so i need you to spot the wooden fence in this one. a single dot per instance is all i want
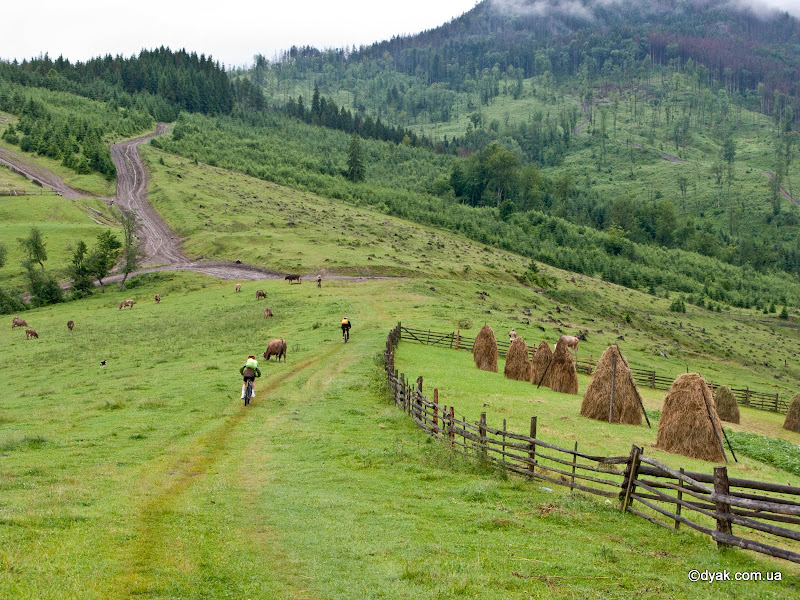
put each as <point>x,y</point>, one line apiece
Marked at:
<point>745,396</point>
<point>627,479</point>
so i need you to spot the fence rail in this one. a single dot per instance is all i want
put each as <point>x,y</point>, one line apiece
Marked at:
<point>767,513</point>
<point>745,397</point>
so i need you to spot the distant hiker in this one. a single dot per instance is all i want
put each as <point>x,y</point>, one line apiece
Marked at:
<point>512,335</point>
<point>249,372</point>
<point>319,280</point>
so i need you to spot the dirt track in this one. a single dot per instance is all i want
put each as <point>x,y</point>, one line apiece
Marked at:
<point>160,243</point>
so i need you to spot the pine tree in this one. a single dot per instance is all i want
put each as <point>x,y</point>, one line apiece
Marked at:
<point>356,171</point>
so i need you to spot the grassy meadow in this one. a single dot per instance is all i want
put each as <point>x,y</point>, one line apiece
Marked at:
<point>61,221</point>
<point>150,479</point>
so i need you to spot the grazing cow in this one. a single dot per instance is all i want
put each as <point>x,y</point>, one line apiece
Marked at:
<point>125,303</point>
<point>261,294</point>
<point>29,333</point>
<point>291,278</point>
<point>276,348</point>
<point>268,313</point>
<point>70,325</point>
<point>158,298</point>
<point>17,322</point>
<point>238,287</point>
<point>571,341</point>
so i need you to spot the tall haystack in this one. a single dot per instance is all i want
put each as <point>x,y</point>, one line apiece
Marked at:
<point>485,350</point>
<point>518,366</point>
<point>541,359</point>
<point>627,406</point>
<point>727,407</point>
<point>685,427</point>
<point>562,376</point>
<point>792,422</point>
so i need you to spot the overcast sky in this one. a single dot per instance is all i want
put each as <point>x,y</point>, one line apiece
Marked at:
<point>231,30</point>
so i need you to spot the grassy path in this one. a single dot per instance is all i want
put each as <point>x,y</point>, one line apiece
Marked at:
<point>151,480</point>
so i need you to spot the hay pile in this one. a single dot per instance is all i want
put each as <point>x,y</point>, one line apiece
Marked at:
<point>627,400</point>
<point>562,376</point>
<point>485,350</point>
<point>727,407</point>
<point>684,427</point>
<point>541,359</point>
<point>518,367</point>
<point>792,422</point>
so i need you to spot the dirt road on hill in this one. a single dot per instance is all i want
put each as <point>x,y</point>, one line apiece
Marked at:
<point>38,175</point>
<point>784,193</point>
<point>159,242</point>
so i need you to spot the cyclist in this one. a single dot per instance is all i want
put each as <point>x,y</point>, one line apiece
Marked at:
<point>319,280</point>
<point>346,328</point>
<point>249,372</point>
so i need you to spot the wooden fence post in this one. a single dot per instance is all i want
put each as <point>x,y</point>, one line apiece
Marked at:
<point>631,472</point>
<point>458,339</point>
<point>776,402</point>
<point>451,427</point>
<point>678,506</point>
<point>721,487</point>
<point>574,461</point>
<point>747,395</point>
<point>653,380</point>
<point>436,410</point>
<point>418,399</point>
<point>482,434</point>
<point>532,449</point>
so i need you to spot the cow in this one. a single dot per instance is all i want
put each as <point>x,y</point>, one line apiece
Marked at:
<point>17,322</point>
<point>571,341</point>
<point>291,278</point>
<point>125,303</point>
<point>238,287</point>
<point>268,313</point>
<point>70,325</point>
<point>158,298</point>
<point>261,294</point>
<point>29,333</point>
<point>276,348</point>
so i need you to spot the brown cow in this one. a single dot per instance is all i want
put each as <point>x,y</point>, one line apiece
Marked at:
<point>571,341</point>
<point>158,298</point>
<point>276,348</point>
<point>29,333</point>
<point>238,287</point>
<point>70,325</point>
<point>17,322</point>
<point>260,294</point>
<point>268,313</point>
<point>125,303</point>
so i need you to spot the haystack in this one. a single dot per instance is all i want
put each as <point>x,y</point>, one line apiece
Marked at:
<point>727,407</point>
<point>685,427</point>
<point>627,400</point>
<point>792,422</point>
<point>485,350</point>
<point>562,376</point>
<point>541,359</point>
<point>518,367</point>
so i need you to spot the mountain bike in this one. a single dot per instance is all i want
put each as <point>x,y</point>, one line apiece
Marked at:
<point>345,335</point>
<point>319,283</point>
<point>248,392</point>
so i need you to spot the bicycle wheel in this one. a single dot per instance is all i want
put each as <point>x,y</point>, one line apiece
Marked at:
<point>248,393</point>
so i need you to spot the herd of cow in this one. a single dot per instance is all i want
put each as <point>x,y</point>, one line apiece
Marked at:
<point>276,347</point>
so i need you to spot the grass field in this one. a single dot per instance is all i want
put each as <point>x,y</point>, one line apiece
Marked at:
<point>149,478</point>
<point>61,221</point>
